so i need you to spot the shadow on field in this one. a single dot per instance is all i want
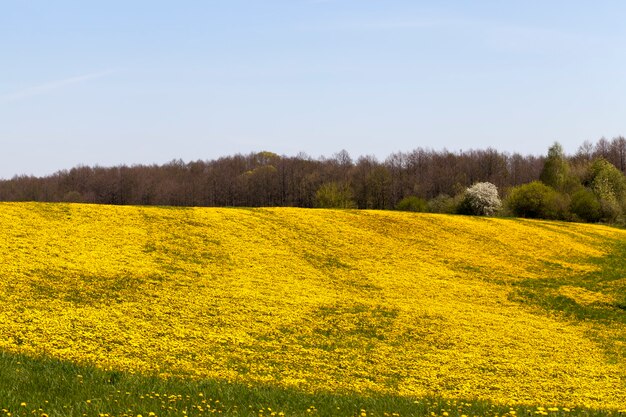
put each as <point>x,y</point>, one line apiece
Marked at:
<point>598,297</point>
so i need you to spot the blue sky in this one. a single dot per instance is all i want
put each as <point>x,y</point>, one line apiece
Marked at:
<point>123,82</point>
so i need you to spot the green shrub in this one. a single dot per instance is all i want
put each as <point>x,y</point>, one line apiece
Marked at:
<point>537,200</point>
<point>610,210</point>
<point>73,197</point>
<point>609,186</point>
<point>445,204</point>
<point>606,179</point>
<point>412,203</point>
<point>334,195</point>
<point>586,206</point>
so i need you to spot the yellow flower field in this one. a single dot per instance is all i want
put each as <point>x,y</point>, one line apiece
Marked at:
<point>316,300</point>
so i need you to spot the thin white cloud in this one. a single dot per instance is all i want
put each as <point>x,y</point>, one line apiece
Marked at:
<point>501,34</point>
<point>387,23</point>
<point>51,86</point>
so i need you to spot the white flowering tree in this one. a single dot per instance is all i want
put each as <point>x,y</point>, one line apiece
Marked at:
<point>481,199</point>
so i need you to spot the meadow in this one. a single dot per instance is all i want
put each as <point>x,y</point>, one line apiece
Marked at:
<point>154,311</point>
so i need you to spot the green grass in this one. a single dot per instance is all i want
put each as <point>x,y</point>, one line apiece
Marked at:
<point>33,387</point>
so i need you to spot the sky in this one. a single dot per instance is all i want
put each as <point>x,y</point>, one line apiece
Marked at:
<point>140,82</point>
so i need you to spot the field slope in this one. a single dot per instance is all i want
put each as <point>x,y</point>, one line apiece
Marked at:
<point>322,301</point>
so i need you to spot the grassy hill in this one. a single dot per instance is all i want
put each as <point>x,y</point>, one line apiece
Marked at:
<point>304,304</point>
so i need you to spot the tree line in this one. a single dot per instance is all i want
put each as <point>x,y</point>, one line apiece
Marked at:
<point>267,179</point>
<point>587,188</point>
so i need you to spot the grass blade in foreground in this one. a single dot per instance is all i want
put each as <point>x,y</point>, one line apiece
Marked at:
<point>54,388</point>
